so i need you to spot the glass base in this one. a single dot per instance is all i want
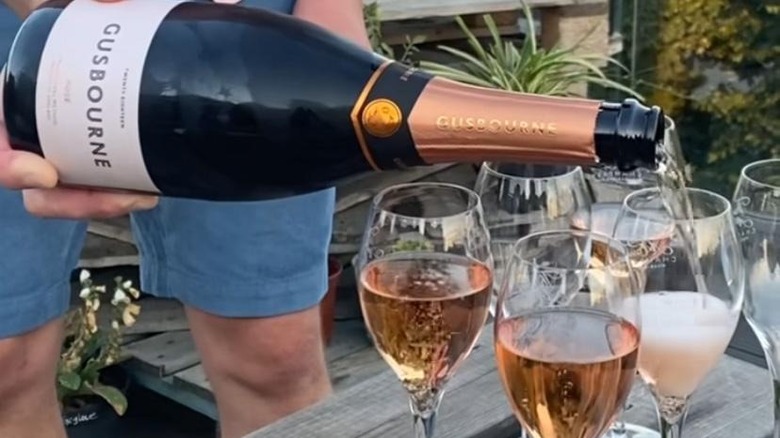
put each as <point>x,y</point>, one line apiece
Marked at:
<point>633,431</point>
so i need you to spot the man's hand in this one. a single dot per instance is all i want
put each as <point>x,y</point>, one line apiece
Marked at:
<point>37,178</point>
<point>342,17</point>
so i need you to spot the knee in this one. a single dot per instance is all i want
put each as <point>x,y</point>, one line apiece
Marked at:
<point>282,367</point>
<point>269,359</point>
<point>29,364</point>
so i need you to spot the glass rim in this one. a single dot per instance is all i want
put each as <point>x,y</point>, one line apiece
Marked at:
<point>669,123</point>
<point>474,200</point>
<point>487,165</point>
<point>726,204</point>
<point>756,164</point>
<point>612,243</point>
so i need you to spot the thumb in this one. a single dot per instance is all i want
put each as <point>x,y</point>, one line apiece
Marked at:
<point>18,169</point>
<point>23,170</point>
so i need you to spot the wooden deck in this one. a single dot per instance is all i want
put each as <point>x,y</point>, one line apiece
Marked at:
<point>734,400</point>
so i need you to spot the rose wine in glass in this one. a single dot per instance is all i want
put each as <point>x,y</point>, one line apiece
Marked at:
<point>426,277</point>
<point>425,313</point>
<point>567,361</point>
<point>688,319</point>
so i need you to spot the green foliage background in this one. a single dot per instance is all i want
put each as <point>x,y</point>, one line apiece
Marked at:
<point>725,121</point>
<point>723,124</point>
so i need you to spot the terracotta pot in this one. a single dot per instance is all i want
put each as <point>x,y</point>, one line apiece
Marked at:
<point>328,303</point>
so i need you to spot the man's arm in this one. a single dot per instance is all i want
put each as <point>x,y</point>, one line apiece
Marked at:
<point>22,8</point>
<point>342,17</point>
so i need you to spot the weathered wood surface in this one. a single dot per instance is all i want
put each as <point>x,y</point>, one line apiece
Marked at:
<point>734,400</point>
<point>392,10</point>
<point>157,315</point>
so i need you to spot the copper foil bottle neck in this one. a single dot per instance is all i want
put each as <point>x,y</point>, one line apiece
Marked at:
<point>453,122</point>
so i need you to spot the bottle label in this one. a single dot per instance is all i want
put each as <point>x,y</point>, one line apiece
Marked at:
<point>88,90</point>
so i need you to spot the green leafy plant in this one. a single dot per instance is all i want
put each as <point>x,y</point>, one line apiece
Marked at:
<point>373,24</point>
<point>88,348</point>
<point>527,68</point>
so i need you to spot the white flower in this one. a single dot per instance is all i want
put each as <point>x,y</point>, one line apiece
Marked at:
<point>127,284</point>
<point>84,293</point>
<point>84,275</point>
<point>115,325</point>
<point>119,297</point>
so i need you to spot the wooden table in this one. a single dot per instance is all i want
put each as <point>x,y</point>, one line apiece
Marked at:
<point>735,401</point>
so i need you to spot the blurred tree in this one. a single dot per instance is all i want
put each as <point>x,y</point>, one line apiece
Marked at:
<point>713,65</point>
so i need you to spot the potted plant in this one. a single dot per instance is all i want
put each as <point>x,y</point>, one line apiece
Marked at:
<point>91,392</point>
<point>525,67</point>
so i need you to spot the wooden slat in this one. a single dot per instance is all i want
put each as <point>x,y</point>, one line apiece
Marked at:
<point>164,354</point>
<point>350,370</point>
<point>734,400</point>
<point>371,403</point>
<point>101,252</point>
<point>349,222</point>
<point>348,339</point>
<point>363,189</point>
<point>117,228</point>
<point>194,380</point>
<point>391,10</point>
<point>157,315</point>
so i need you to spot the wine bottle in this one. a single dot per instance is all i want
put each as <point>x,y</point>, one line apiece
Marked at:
<point>223,102</point>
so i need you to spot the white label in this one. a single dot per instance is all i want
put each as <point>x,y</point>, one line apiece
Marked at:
<point>88,90</point>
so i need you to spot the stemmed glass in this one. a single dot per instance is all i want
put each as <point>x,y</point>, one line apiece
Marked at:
<point>520,199</point>
<point>609,189</point>
<point>425,284</point>
<point>567,361</point>
<point>687,323</point>
<point>756,205</point>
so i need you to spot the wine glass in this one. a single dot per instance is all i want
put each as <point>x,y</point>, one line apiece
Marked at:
<point>425,284</point>
<point>756,203</point>
<point>519,199</point>
<point>567,361</point>
<point>687,322</point>
<point>609,188</point>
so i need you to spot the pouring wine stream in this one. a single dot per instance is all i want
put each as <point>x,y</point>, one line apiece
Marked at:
<point>673,179</point>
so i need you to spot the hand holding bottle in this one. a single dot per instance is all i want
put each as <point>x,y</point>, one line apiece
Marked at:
<point>37,178</point>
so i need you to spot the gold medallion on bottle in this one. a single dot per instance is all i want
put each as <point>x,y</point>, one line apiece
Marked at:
<point>382,118</point>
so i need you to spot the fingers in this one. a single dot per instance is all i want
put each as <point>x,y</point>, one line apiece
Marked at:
<point>84,204</point>
<point>23,170</point>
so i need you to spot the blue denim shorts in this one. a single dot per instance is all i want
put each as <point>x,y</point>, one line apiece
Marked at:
<point>252,259</point>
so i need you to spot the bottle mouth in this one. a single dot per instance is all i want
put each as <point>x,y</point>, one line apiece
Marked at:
<point>628,134</point>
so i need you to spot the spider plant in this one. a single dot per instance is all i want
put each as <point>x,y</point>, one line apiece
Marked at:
<point>528,68</point>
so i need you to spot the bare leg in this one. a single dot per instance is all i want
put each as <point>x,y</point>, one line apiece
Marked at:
<point>261,369</point>
<point>28,399</point>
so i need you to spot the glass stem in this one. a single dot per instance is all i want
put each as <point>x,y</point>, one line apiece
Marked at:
<point>424,409</point>
<point>776,431</point>
<point>773,364</point>
<point>671,415</point>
